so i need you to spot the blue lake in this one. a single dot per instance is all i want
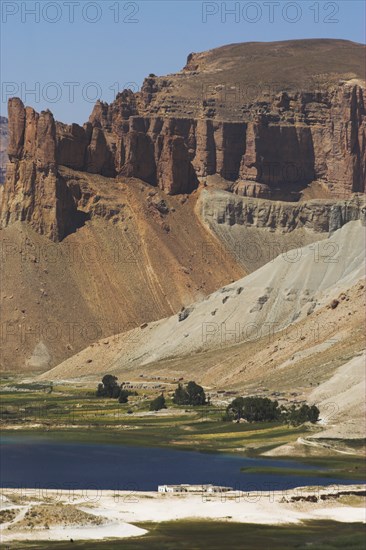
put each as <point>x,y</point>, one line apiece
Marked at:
<point>30,462</point>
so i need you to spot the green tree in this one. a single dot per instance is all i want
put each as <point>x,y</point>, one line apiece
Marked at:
<point>101,390</point>
<point>263,409</point>
<point>254,409</point>
<point>313,414</point>
<point>298,416</point>
<point>109,387</point>
<point>235,410</point>
<point>192,394</point>
<point>196,394</point>
<point>158,403</point>
<point>181,396</point>
<point>123,395</point>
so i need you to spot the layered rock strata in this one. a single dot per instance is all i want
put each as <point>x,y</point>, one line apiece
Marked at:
<point>172,135</point>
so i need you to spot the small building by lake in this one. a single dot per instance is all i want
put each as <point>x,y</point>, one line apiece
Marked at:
<point>186,488</point>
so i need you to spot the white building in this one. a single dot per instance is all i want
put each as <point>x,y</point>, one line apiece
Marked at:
<point>171,489</point>
<point>186,488</point>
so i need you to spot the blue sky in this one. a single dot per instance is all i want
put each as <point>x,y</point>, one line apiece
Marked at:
<point>73,52</point>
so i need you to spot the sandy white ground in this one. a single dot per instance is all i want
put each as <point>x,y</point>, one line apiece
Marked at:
<point>118,530</point>
<point>122,509</point>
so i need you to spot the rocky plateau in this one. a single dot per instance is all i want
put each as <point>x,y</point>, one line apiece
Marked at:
<point>249,145</point>
<point>266,137</point>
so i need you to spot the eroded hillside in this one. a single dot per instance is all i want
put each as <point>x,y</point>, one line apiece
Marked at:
<point>170,193</point>
<point>280,294</point>
<point>294,325</point>
<point>140,257</point>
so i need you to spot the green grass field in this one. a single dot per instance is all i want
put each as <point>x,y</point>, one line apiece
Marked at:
<point>329,468</point>
<point>36,410</point>
<point>75,414</point>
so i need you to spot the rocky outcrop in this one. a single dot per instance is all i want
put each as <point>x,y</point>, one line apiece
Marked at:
<point>323,140</point>
<point>3,147</point>
<point>278,148</point>
<point>175,172</point>
<point>72,142</point>
<point>320,216</point>
<point>248,188</point>
<point>339,143</point>
<point>155,149</point>
<point>33,190</point>
<point>172,135</point>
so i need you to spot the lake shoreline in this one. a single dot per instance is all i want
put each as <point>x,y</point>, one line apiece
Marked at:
<point>41,461</point>
<point>119,513</point>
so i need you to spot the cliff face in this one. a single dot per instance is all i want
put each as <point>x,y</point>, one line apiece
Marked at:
<point>319,216</point>
<point>34,191</point>
<point>312,138</point>
<point>176,131</point>
<point>3,147</point>
<point>283,144</point>
<point>257,230</point>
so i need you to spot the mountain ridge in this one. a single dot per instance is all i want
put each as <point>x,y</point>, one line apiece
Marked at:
<point>277,143</point>
<point>225,173</point>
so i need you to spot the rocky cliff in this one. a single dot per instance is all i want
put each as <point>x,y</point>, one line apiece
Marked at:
<point>3,147</point>
<point>320,216</point>
<point>272,142</point>
<point>278,146</point>
<point>257,230</point>
<point>34,190</point>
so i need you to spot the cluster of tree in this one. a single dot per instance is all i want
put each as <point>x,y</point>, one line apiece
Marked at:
<point>253,409</point>
<point>158,403</point>
<point>263,409</point>
<point>191,394</point>
<point>305,413</point>
<point>109,387</point>
<point>124,395</point>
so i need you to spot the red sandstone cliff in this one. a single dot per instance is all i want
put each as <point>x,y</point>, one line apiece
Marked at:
<point>33,190</point>
<point>274,145</point>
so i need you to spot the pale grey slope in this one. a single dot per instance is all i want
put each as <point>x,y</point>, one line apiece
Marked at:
<point>281,292</point>
<point>341,401</point>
